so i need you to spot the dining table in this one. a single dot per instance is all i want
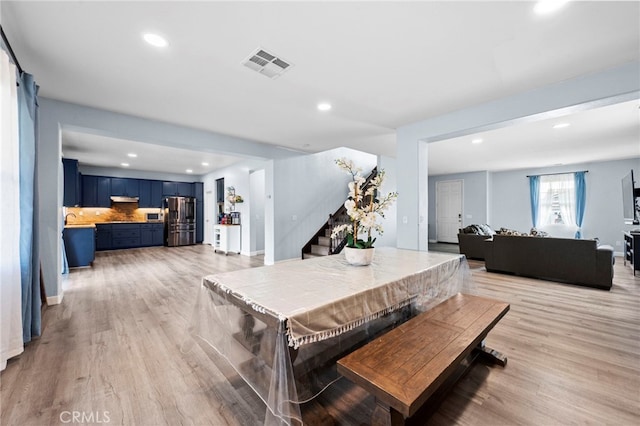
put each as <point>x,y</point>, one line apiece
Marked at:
<point>283,327</point>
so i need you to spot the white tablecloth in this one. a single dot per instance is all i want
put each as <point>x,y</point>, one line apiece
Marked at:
<point>274,324</point>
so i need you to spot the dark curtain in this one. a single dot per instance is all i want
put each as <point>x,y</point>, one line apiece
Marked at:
<point>29,252</point>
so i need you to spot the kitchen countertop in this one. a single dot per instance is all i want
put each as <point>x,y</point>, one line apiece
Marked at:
<point>86,225</point>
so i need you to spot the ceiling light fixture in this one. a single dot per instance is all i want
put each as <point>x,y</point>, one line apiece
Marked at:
<point>189,171</point>
<point>544,7</point>
<point>155,40</point>
<point>132,155</point>
<point>124,164</point>
<point>324,106</point>
<point>205,164</point>
<point>476,141</point>
<point>561,125</point>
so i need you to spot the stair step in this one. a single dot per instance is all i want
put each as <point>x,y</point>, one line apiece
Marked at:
<point>310,255</point>
<point>327,233</point>
<point>324,241</point>
<point>321,250</point>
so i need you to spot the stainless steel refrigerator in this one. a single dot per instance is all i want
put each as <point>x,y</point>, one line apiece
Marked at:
<point>179,221</point>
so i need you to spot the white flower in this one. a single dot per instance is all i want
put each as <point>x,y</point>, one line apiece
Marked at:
<point>362,206</point>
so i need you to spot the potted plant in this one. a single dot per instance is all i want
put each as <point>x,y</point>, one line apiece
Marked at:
<point>363,205</point>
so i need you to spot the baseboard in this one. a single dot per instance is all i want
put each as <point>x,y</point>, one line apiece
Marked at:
<point>256,253</point>
<point>433,241</point>
<point>55,300</point>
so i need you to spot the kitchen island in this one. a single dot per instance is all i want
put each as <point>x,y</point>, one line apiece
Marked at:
<point>79,244</point>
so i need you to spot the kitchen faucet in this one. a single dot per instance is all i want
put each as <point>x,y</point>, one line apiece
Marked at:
<point>67,215</point>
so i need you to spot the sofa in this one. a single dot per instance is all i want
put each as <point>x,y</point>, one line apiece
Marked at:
<point>566,260</point>
<point>471,240</point>
<point>472,245</point>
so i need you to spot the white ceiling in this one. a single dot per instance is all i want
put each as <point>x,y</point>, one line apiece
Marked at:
<point>380,64</point>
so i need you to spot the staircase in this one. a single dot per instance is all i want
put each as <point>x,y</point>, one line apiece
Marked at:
<point>321,244</point>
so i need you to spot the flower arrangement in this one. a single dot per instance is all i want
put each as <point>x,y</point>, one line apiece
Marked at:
<point>363,207</point>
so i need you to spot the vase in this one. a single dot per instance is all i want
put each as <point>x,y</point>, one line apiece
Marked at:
<point>358,257</point>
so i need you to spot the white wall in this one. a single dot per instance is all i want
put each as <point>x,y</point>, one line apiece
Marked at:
<point>257,202</point>
<point>608,87</point>
<point>238,176</point>
<point>306,190</point>
<point>389,225</point>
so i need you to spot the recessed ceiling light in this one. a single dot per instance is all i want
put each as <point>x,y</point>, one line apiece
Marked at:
<point>124,164</point>
<point>324,106</point>
<point>205,164</point>
<point>155,40</point>
<point>189,171</point>
<point>132,155</point>
<point>561,125</point>
<point>544,7</point>
<point>476,141</point>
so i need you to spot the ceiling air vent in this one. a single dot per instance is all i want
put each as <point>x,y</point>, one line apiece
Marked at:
<point>266,63</point>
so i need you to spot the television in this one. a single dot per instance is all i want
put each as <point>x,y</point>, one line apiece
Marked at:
<point>629,194</point>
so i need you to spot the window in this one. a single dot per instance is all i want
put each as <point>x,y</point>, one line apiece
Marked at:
<point>557,200</point>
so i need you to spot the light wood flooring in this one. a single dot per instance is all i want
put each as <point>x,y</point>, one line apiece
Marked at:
<point>114,350</point>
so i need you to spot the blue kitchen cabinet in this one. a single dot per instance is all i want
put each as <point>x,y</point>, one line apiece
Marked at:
<point>125,187</point>
<point>79,245</point>
<point>199,194</point>
<point>89,191</point>
<point>177,189</point>
<point>151,234</point>
<point>150,194</point>
<point>185,189</point>
<point>72,183</point>
<point>96,191</point>
<point>103,237</point>
<point>104,191</point>
<point>125,236</point>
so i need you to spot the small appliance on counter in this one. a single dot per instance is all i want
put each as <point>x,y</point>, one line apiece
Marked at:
<point>232,218</point>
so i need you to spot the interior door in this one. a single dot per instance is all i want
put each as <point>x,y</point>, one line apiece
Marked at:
<point>448,210</point>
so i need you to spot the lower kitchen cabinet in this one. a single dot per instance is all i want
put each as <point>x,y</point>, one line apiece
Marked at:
<point>125,236</point>
<point>152,234</point>
<point>79,245</point>
<point>114,236</point>
<point>103,237</point>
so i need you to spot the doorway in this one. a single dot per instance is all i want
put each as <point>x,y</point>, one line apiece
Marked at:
<point>448,210</point>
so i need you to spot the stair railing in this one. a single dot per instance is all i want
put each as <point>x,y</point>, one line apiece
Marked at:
<point>340,217</point>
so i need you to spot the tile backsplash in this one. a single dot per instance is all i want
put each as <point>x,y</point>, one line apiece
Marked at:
<point>119,212</point>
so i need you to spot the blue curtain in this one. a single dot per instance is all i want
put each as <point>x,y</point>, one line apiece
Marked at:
<point>534,189</point>
<point>581,200</point>
<point>29,253</point>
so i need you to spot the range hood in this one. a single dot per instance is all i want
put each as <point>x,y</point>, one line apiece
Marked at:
<point>123,199</point>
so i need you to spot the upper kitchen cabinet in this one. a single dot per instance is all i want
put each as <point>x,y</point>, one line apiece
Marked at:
<point>123,187</point>
<point>177,189</point>
<point>72,183</point>
<point>96,191</point>
<point>150,193</point>
<point>200,220</point>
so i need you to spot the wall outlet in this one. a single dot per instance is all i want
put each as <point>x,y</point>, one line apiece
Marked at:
<point>97,213</point>
<point>81,213</point>
<point>294,217</point>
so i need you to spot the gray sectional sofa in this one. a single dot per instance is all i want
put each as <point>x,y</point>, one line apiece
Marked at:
<point>580,262</point>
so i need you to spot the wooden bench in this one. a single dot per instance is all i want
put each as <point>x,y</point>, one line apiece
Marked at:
<point>406,366</point>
